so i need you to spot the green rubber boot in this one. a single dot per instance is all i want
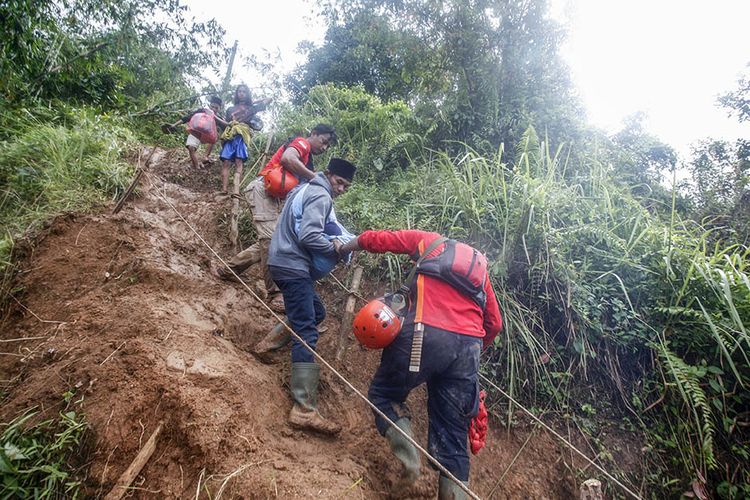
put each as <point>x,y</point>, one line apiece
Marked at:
<point>449,490</point>
<point>406,452</point>
<point>304,414</point>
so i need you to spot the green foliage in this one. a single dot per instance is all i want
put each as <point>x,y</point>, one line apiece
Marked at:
<point>365,51</point>
<point>378,137</point>
<point>719,188</point>
<point>706,324</point>
<point>687,379</point>
<point>738,100</point>
<point>644,159</point>
<point>110,53</point>
<point>58,161</point>
<point>719,184</point>
<point>589,280</point>
<point>479,72</point>
<point>37,460</point>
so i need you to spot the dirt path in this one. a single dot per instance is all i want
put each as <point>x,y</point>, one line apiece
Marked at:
<point>132,322</point>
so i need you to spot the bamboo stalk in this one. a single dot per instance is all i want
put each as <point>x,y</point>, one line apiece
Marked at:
<point>346,321</point>
<point>234,231</point>
<point>135,467</point>
<point>131,188</point>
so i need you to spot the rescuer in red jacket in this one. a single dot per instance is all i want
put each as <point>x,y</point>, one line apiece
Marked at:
<point>453,327</point>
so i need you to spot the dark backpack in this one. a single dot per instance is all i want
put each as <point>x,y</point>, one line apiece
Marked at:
<point>460,265</point>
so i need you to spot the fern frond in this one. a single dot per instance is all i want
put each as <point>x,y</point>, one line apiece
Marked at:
<point>687,380</point>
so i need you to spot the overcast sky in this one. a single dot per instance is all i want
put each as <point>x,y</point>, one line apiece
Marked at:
<point>667,58</point>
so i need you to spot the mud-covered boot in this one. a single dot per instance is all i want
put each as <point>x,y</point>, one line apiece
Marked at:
<point>277,338</point>
<point>219,271</point>
<point>449,490</point>
<point>304,414</point>
<point>407,453</point>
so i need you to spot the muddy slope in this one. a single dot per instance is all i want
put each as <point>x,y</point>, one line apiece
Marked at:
<point>122,311</point>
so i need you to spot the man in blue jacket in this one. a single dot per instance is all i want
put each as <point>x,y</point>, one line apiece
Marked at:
<point>299,235</point>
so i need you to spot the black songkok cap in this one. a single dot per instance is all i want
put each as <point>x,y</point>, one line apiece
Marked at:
<point>342,168</point>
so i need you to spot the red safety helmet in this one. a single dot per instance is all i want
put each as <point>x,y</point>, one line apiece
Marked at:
<point>376,325</point>
<point>279,182</point>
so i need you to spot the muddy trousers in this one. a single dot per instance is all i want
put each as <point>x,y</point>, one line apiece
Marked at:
<point>449,367</point>
<point>266,212</point>
<point>305,311</point>
<point>254,254</point>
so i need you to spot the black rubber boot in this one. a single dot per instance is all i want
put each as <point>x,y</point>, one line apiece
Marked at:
<point>449,490</point>
<point>304,414</point>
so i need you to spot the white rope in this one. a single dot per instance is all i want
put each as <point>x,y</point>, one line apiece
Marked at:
<point>350,292</point>
<point>558,436</point>
<point>372,405</point>
<point>320,358</point>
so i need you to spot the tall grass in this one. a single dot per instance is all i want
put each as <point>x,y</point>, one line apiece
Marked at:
<point>704,345</point>
<point>607,304</point>
<point>57,161</point>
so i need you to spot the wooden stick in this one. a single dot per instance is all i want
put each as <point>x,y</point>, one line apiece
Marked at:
<point>22,339</point>
<point>113,353</point>
<point>131,472</point>
<point>234,230</point>
<point>131,188</point>
<point>346,321</point>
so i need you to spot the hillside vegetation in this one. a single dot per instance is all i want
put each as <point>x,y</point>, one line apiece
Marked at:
<point>626,294</point>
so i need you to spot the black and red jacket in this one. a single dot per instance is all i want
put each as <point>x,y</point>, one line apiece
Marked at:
<point>436,303</point>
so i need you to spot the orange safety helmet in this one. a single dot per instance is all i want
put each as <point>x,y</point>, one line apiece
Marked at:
<point>279,182</point>
<point>376,325</point>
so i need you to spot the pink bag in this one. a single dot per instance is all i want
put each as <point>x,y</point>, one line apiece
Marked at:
<point>203,126</point>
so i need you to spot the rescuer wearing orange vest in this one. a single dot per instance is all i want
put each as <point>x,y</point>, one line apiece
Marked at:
<point>451,314</point>
<point>290,165</point>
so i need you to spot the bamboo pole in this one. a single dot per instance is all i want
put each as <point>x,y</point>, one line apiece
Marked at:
<point>131,188</point>
<point>131,472</point>
<point>228,75</point>
<point>234,232</point>
<point>346,321</point>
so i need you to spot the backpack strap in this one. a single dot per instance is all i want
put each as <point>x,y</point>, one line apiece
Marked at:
<point>415,354</point>
<point>436,243</point>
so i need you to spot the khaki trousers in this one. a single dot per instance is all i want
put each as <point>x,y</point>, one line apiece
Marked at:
<point>266,211</point>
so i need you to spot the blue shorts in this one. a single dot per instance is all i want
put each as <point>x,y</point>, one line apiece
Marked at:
<point>234,149</point>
